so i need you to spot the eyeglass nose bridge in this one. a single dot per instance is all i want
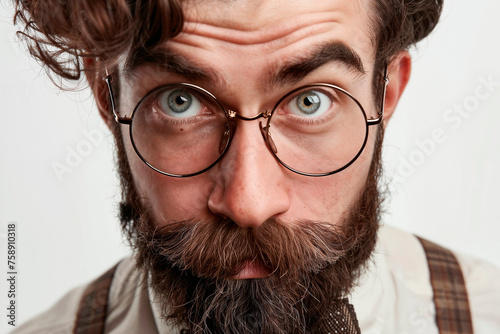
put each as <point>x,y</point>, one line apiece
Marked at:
<point>233,114</point>
<point>264,129</point>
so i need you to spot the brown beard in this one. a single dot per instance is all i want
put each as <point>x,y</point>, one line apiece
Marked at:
<point>190,263</point>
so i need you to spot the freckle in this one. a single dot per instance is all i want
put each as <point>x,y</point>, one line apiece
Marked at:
<point>182,129</point>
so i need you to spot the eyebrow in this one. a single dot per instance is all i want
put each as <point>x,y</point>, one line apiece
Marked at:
<point>167,60</point>
<point>290,72</point>
<point>295,70</point>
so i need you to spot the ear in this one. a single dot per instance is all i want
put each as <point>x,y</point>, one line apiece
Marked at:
<point>399,70</point>
<point>101,93</point>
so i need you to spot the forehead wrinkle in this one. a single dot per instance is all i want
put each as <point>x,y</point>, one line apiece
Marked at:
<point>265,34</point>
<point>277,35</point>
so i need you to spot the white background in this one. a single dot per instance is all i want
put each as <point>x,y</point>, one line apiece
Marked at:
<point>448,191</point>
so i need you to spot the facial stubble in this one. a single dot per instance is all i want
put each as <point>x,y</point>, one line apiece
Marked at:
<point>190,265</point>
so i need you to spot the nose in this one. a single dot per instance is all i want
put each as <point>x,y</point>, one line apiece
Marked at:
<point>250,185</point>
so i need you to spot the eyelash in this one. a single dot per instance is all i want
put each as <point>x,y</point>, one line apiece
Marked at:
<point>312,120</point>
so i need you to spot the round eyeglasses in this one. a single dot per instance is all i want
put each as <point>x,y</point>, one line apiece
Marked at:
<point>182,130</point>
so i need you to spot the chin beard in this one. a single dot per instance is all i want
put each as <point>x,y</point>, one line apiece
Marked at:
<point>189,264</point>
<point>312,266</point>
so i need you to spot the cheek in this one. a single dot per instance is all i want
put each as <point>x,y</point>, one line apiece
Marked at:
<point>169,199</point>
<point>177,200</point>
<point>331,198</point>
<point>324,199</point>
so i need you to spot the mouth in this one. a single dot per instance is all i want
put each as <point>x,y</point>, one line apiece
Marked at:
<point>252,269</point>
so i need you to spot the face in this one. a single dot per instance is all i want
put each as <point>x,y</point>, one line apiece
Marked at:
<point>241,57</point>
<point>267,218</point>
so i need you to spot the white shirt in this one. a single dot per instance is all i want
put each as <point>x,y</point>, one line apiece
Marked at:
<point>394,296</point>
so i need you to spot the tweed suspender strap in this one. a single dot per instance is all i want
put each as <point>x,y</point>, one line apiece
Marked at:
<point>450,293</point>
<point>93,307</point>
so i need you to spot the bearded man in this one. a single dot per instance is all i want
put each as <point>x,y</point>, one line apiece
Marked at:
<point>273,112</point>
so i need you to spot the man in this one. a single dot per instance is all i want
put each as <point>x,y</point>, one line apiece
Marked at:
<point>276,118</point>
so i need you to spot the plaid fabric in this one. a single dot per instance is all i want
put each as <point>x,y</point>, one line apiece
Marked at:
<point>450,294</point>
<point>91,315</point>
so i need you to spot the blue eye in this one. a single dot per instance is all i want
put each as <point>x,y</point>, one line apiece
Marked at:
<point>179,103</point>
<point>309,104</point>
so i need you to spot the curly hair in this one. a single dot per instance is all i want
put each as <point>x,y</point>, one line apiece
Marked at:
<point>61,34</point>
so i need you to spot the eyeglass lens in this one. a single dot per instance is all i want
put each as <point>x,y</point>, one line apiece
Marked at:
<point>182,130</point>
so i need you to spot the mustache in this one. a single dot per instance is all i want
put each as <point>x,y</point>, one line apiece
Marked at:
<point>218,249</point>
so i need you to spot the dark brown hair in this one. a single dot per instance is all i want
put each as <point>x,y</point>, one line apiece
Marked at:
<point>61,34</point>
<point>398,25</point>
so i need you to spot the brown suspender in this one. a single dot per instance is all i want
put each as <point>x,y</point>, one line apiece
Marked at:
<point>450,296</point>
<point>93,308</point>
<point>450,293</point>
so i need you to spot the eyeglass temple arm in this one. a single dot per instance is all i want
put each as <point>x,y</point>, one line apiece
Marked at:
<point>118,118</point>
<point>382,104</point>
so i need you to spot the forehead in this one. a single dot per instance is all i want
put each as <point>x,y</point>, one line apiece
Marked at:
<point>248,22</point>
<point>250,15</point>
<point>247,43</point>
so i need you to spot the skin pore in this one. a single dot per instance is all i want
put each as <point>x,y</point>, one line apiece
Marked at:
<point>249,62</point>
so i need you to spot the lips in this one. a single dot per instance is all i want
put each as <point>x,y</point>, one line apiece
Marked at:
<point>252,269</point>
